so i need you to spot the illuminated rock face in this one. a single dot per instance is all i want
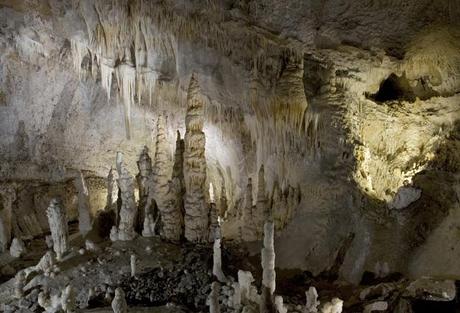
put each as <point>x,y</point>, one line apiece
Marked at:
<point>57,219</point>
<point>196,209</point>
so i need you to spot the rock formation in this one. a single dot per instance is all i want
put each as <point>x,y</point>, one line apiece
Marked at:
<point>214,230</point>
<point>57,219</point>
<point>279,305</point>
<point>84,215</point>
<point>335,306</point>
<point>119,302</point>
<point>128,210</point>
<point>217,261</point>
<point>7,198</point>
<point>249,227</point>
<point>19,284</point>
<point>196,209</point>
<point>68,300</point>
<point>213,299</point>
<point>312,303</point>
<point>268,266</point>
<point>133,260</point>
<point>111,190</point>
<point>17,248</point>
<point>147,212</point>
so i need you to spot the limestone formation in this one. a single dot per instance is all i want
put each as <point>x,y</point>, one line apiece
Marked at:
<point>68,300</point>
<point>148,229</point>
<point>57,219</point>
<point>279,305</point>
<point>217,262</point>
<point>111,190</point>
<point>17,248</point>
<point>133,260</point>
<point>312,303</point>
<point>119,302</point>
<point>19,284</point>
<point>196,209</point>
<point>147,210</point>
<point>268,267</point>
<point>214,230</point>
<point>377,306</point>
<point>128,210</point>
<point>335,306</point>
<point>7,198</point>
<point>262,207</point>
<point>223,203</point>
<point>84,215</point>
<point>213,299</point>
<point>46,265</point>
<point>249,227</point>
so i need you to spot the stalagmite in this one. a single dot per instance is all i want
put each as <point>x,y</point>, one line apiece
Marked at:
<point>147,210</point>
<point>17,248</point>
<point>312,300</point>
<point>262,207</point>
<point>46,265</point>
<point>19,284</point>
<point>57,219</point>
<point>335,306</point>
<point>213,298</point>
<point>249,231</point>
<point>68,300</point>
<point>217,261</point>
<point>84,217</point>
<point>119,302</point>
<point>279,305</point>
<point>111,190</point>
<point>268,266</point>
<point>213,223</point>
<point>196,208</point>
<point>133,260</point>
<point>128,210</point>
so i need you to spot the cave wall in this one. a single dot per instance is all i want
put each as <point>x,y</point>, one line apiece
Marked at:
<point>294,99</point>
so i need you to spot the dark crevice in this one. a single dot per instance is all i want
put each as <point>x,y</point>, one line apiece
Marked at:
<point>394,88</point>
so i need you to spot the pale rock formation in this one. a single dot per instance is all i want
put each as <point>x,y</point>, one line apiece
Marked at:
<point>432,290</point>
<point>214,231</point>
<point>213,298</point>
<point>119,302</point>
<point>17,248</point>
<point>148,229</point>
<point>377,306</point>
<point>84,216</point>
<point>404,197</point>
<point>217,262</point>
<point>147,209</point>
<point>335,306</point>
<point>128,210</point>
<point>19,284</point>
<point>57,219</point>
<point>91,246</point>
<point>49,241</point>
<point>133,261</point>
<point>51,303</point>
<point>8,195</point>
<point>312,303</point>
<point>46,265</point>
<point>268,267</point>
<point>111,190</point>
<point>68,300</point>
<point>196,208</point>
<point>249,229</point>
<point>245,291</point>
<point>279,305</point>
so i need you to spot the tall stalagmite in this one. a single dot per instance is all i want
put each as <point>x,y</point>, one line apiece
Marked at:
<point>196,208</point>
<point>268,266</point>
<point>84,216</point>
<point>128,210</point>
<point>57,219</point>
<point>147,214</point>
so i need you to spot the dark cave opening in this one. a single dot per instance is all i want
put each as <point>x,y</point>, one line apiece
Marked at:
<point>394,88</point>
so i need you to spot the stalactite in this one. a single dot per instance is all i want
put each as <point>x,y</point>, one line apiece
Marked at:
<point>84,216</point>
<point>107,70</point>
<point>196,208</point>
<point>57,219</point>
<point>79,51</point>
<point>126,77</point>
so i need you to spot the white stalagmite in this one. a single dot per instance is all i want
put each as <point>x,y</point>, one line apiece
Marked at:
<point>312,300</point>
<point>84,216</point>
<point>128,209</point>
<point>119,302</point>
<point>57,219</point>
<point>217,260</point>
<point>268,267</point>
<point>279,305</point>
<point>133,260</point>
<point>196,208</point>
<point>147,210</point>
<point>213,298</point>
<point>17,248</point>
<point>335,306</point>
